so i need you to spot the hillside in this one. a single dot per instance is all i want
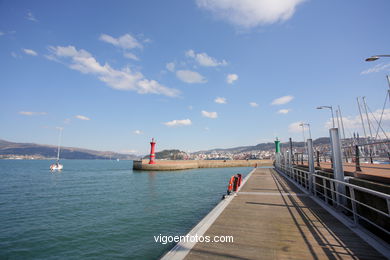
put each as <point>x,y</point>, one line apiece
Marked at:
<point>264,146</point>
<point>8,149</point>
<point>169,155</point>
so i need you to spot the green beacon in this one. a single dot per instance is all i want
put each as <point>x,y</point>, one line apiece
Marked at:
<point>277,145</point>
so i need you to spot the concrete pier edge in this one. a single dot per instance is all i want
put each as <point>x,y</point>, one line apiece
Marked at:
<point>181,249</point>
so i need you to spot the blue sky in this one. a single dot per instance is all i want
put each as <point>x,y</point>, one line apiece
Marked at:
<point>195,75</point>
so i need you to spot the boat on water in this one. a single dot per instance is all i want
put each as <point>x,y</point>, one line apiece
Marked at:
<point>57,166</point>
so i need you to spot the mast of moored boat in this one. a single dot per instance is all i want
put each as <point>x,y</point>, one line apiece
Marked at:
<point>59,144</point>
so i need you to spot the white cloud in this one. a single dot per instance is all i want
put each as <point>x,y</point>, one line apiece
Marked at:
<point>295,127</point>
<point>170,66</point>
<point>124,79</point>
<point>82,117</point>
<point>220,100</point>
<point>251,13</point>
<point>282,100</point>
<point>284,111</point>
<point>205,60</point>
<point>125,41</point>
<point>253,104</point>
<point>29,113</point>
<point>377,68</point>
<point>1,33</point>
<point>30,16</point>
<point>189,76</point>
<point>231,78</point>
<point>137,132</point>
<point>130,55</point>
<point>183,122</point>
<point>30,52</point>
<point>209,114</point>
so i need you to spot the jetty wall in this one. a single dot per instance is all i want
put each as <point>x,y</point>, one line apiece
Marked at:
<point>171,165</point>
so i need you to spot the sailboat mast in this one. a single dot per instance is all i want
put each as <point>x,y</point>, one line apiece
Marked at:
<point>59,145</point>
<point>361,117</point>
<point>368,120</point>
<point>342,124</point>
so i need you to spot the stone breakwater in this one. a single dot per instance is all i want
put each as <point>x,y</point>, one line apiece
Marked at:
<point>171,165</point>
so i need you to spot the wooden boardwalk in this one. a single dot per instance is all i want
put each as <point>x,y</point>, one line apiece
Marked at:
<point>272,219</point>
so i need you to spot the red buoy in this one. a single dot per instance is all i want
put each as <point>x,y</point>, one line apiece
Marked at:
<point>230,186</point>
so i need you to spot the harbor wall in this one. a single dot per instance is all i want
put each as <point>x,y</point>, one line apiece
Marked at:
<point>171,165</point>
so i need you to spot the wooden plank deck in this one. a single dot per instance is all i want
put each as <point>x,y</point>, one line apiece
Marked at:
<point>271,219</point>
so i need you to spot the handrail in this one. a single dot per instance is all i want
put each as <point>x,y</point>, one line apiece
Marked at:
<point>338,197</point>
<point>373,192</point>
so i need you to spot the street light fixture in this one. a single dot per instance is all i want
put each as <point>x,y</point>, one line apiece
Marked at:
<point>375,57</point>
<point>331,109</point>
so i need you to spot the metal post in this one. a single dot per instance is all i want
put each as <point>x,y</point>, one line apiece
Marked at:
<point>291,151</point>
<point>331,109</point>
<point>357,159</point>
<point>318,159</point>
<point>361,117</point>
<point>354,208</point>
<point>337,162</point>
<point>342,124</point>
<point>311,162</point>
<point>285,159</point>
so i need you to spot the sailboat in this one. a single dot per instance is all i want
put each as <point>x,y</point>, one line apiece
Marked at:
<point>57,166</point>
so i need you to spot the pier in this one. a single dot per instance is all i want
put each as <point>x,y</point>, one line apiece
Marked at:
<point>272,217</point>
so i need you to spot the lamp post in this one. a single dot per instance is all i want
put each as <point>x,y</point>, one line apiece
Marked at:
<point>308,126</point>
<point>331,109</point>
<point>375,57</point>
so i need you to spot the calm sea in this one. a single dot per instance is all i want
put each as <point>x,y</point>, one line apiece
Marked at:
<point>100,209</point>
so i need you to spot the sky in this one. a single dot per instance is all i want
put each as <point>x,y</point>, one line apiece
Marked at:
<point>195,75</point>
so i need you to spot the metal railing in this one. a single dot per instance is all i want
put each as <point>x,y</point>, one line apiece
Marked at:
<point>344,197</point>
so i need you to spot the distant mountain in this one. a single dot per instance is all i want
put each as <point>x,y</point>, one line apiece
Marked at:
<point>8,149</point>
<point>263,146</point>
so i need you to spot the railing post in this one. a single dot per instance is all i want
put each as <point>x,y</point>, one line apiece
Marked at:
<point>311,162</point>
<point>354,210</point>
<point>357,159</point>
<point>337,160</point>
<point>325,191</point>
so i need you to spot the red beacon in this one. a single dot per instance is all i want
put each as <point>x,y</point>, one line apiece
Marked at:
<point>152,155</point>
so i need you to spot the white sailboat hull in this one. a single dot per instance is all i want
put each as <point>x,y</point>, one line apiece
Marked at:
<point>56,167</point>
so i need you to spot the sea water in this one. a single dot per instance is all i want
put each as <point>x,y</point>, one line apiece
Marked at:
<point>100,209</point>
